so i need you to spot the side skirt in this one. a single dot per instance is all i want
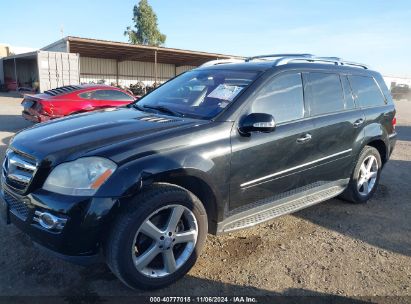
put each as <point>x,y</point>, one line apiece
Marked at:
<point>282,204</point>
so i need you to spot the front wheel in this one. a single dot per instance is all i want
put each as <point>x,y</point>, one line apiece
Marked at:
<point>365,177</point>
<point>157,237</point>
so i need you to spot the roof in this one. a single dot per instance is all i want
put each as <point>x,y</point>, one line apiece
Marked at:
<point>125,51</point>
<point>261,66</point>
<point>241,66</point>
<point>30,55</point>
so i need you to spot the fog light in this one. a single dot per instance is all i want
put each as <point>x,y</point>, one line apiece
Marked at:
<point>49,221</point>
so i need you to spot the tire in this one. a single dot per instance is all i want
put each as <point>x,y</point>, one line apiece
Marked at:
<point>361,194</point>
<point>132,238</point>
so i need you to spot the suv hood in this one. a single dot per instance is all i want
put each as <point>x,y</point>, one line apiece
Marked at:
<point>72,137</point>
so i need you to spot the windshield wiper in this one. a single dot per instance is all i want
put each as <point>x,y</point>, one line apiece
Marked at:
<point>164,110</point>
<point>135,105</point>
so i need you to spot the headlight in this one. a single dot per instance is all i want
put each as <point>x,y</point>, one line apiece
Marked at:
<point>80,177</point>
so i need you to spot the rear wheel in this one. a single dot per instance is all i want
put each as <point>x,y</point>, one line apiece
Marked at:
<point>157,237</point>
<point>365,177</point>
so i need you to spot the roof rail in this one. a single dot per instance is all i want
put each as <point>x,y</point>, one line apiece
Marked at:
<point>281,59</point>
<point>266,57</point>
<point>221,61</point>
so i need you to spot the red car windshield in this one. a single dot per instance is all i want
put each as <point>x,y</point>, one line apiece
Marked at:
<point>201,94</point>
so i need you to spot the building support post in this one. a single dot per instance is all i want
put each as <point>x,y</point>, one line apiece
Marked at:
<point>15,73</point>
<point>155,66</point>
<point>117,72</point>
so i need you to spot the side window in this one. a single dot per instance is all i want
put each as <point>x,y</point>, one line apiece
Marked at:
<point>325,93</point>
<point>282,97</point>
<point>348,97</point>
<point>366,90</point>
<point>87,95</point>
<point>106,95</point>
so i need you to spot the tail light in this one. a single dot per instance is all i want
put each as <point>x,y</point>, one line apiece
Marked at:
<point>394,122</point>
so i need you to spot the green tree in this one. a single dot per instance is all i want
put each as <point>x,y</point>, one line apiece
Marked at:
<point>145,30</point>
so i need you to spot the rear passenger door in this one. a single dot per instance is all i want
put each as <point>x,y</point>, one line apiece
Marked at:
<point>337,125</point>
<point>372,101</point>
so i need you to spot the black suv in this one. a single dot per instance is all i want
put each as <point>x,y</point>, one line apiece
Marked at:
<point>216,149</point>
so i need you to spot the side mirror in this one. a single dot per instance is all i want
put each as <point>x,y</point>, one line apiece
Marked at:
<point>257,122</point>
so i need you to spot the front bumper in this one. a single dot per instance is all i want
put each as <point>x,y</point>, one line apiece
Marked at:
<point>87,221</point>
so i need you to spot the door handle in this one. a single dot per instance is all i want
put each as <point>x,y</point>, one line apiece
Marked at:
<point>305,138</point>
<point>358,122</point>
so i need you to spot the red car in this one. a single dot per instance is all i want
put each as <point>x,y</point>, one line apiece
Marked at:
<point>73,99</point>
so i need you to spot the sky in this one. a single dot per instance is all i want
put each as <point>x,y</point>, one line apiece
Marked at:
<point>375,32</point>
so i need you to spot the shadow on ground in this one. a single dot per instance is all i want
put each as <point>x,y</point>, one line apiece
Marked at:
<point>13,123</point>
<point>11,94</point>
<point>404,132</point>
<point>194,287</point>
<point>383,222</point>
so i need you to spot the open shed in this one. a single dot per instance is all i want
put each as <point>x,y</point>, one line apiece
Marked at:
<point>40,70</point>
<point>74,60</point>
<point>124,64</point>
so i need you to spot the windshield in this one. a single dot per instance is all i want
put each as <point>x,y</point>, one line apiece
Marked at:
<point>200,94</point>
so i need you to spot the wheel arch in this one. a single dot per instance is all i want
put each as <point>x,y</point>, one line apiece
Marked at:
<point>381,147</point>
<point>376,136</point>
<point>199,186</point>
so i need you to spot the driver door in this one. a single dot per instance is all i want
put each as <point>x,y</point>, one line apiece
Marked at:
<point>264,165</point>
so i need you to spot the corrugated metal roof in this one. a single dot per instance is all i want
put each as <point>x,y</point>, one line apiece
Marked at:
<point>126,51</point>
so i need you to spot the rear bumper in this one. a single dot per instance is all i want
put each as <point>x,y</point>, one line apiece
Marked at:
<point>392,139</point>
<point>34,117</point>
<point>80,239</point>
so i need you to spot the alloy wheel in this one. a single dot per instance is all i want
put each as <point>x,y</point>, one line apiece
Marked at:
<point>165,241</point>
<point>367,175</point>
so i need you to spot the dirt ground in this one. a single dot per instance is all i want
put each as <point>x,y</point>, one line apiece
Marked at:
<point>334,248</point>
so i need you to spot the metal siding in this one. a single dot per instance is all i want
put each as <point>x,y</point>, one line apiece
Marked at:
<point>57,69</point>
<point>130,72</point>
<point>184,68</point>
<point>93,70</point>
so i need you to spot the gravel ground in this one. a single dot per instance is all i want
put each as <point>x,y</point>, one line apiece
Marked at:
<point>333,248</point>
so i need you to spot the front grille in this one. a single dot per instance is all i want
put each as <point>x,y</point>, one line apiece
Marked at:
<point>17,206</point>
<point>18,170</point>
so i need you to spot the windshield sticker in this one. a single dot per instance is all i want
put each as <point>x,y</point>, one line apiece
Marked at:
<point>225,92</point>
<point>198,88</point>
<point>223,104</point>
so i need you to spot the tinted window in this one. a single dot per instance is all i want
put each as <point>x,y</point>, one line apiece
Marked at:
<point>349,100</point>
<point>201,93</point>
<point>325,93</point>
<point>366,91</point>
<point>282,98</point>
<point>106,95</point>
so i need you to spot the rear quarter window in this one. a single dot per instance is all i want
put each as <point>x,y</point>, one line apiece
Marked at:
<point>366,91</point>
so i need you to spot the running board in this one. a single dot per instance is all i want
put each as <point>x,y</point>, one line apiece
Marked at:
<point>277,207</point>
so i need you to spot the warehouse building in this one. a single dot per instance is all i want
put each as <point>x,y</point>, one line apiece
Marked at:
<point>74,60</point>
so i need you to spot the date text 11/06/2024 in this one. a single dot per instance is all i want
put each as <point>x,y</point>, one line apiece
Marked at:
<point>239,299</point>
